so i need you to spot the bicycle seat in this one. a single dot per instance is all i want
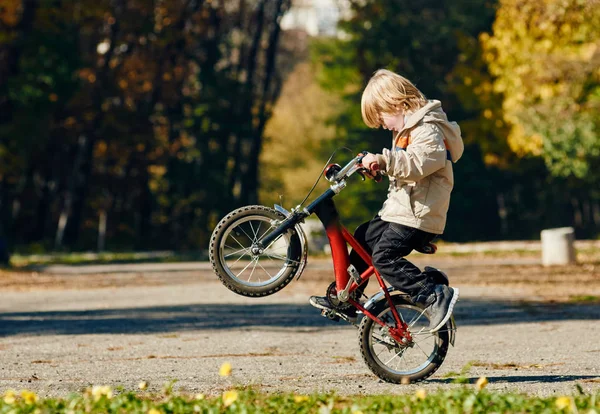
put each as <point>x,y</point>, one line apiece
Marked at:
<point>429,248</point>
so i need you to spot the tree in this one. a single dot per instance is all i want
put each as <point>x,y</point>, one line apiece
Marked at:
<point>544,55</point>
<point>421,41</point>
<point>141,120</point>
<point>291,158</point>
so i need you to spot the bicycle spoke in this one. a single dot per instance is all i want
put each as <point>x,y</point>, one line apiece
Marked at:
<point>279,248</point>
<point>427,356</point>
<point>432,333</point>
<point>253,269</point>
<point>262,236</point>
<point>240,227</point>
<point>241,245</point>
<point>429,335</point>
<point>234,263</point>
<point>271,244</point>
<point>281,258</point>
<point>392,358</point>
<point>264,270</point>
<point>231,254</point>
<point>415,319</point>
<point>251,227</point>
<point>382,351</point>
<point>277,263</point>
<point>244,269</point>
<point>258,230</point>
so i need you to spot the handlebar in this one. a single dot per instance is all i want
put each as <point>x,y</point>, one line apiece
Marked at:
<point>355,165</point>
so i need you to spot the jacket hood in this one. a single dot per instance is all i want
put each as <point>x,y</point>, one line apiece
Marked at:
<point>433,113</point>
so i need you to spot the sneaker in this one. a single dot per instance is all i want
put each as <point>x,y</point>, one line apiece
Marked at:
<point>321,302</point>
<point>441,309</point>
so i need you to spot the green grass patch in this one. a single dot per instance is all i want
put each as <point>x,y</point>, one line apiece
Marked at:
<point>584,299</point>
<point>28,261</point>
<point>467,399</point>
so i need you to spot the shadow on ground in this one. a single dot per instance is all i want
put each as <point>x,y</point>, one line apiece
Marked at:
<point>225,316</point>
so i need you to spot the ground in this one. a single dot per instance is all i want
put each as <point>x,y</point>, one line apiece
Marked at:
<point>527,328</point>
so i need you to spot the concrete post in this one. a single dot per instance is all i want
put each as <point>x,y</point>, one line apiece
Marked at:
<point>316,236</point>
<point>558,246</point>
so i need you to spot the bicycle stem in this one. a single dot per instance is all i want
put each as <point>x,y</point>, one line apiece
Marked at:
<point>296,217</point>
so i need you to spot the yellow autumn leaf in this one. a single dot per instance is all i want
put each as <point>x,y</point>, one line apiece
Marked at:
<point>421,394</point>
<point>229,397</point>
<point>225,370</point>
<point>562,402</point>
<point>10,397</point>
<point>101,390</point>
<point>300,398</point>
<point>481,383</point>
<point>29,397</point>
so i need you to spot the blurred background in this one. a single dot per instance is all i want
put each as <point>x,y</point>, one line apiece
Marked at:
<point>138,124</point>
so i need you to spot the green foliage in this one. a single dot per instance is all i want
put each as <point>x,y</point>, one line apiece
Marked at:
<point>444,48</point>
<point>466,399</point>
<point>422,42</point>
<point>289,162</point>
<point>545,56</point>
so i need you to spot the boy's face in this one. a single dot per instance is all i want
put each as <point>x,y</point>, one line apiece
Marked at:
<point>393,122</point>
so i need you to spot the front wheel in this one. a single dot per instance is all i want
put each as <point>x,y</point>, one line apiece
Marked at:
<point>393,362</point>
<point>242,267</point>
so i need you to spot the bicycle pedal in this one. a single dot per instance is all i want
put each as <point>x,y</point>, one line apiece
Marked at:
<point>329,314</point>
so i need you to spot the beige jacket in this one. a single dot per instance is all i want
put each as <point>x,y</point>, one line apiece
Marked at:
<point>421,177</point>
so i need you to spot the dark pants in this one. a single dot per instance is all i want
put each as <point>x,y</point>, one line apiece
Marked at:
<point>388,243</point>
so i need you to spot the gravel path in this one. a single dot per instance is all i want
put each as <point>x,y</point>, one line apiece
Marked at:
<point>183,325</point>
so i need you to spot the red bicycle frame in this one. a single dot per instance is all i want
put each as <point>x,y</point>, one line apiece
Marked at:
<point>339,239</point>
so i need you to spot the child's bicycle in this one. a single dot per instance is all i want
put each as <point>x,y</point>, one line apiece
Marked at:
<point>257,251</point>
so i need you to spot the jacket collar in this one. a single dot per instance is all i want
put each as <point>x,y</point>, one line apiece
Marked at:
<point>416,117</point>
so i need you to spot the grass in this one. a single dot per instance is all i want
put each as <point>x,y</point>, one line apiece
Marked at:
<point>27,261</point>
<point>468,399</point>
<point>583,299</point>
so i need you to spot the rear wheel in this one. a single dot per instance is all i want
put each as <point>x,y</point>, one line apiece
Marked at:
<point>240,265</point>
<point>396,363</point>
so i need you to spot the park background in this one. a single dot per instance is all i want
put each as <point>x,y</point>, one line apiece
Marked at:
<point>130,125</point>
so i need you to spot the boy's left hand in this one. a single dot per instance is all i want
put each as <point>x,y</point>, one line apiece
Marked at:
<point>369,161</point>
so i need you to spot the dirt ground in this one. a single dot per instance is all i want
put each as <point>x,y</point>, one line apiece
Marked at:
<point>517,273</point>
<point>527,328</point>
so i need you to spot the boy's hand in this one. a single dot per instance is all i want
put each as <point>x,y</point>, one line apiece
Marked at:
<point>369,161</point>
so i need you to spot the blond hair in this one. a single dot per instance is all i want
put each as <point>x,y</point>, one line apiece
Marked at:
<point>388,93</point>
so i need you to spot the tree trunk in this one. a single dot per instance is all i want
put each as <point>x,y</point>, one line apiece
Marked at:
<point>237,180</point>
<point>266,100</point>
<point>81,175</point>
<point>65,213</point>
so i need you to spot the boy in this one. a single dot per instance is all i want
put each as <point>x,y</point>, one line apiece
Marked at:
<point>419,167</point>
